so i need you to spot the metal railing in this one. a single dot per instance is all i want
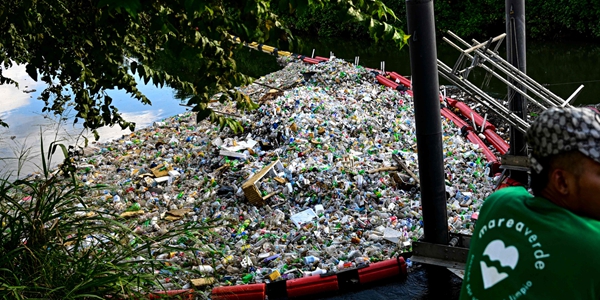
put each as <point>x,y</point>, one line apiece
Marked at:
<point>484,56</point>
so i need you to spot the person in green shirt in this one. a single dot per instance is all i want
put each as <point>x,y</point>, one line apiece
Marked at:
<point>546,245</point>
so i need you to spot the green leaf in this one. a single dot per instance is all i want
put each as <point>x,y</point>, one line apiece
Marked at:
<point>301,6</point>
<point>133,66</point>
<point>130,6</point>
<point>193,5</point>
<point>284,5</point>
<point>142,70</point>
<point>355,14</point>
<point>203,114</point>
<point>31,71</point>
<point>293,4</point>
<point>387,28</point>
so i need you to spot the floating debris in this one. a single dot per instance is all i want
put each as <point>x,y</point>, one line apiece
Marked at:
<point>323,177</point>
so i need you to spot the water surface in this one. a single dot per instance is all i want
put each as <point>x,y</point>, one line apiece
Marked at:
<point>20,143</point>
<point>561,66</point>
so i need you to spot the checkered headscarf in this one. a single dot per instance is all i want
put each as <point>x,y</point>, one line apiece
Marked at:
<point>559,130</point>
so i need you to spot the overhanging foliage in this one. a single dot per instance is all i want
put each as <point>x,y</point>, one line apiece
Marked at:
<point>82,49</point>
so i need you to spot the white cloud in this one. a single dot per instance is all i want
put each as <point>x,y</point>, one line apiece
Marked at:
<point>12,97</point>
<point>28,137</point>
<point>142,119</point>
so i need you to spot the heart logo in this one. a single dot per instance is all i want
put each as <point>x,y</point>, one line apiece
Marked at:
<point>491,276</point>
<point>497,251</point>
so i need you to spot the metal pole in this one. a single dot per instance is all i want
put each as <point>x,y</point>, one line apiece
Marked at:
<point>425,85</point>
<point>484,98</point>
<point>515,55</point>
<point>496,61</point>
<point>515,80</point>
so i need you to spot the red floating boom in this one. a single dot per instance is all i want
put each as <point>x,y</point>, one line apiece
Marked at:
<point>403,80</point>
<point>311,285</point>
<point>381,270</point>
<point>386,82</point>
<point>172,294</point>
<point>308,59</point>
<point>454,118</point>
<point>311,60</point>
<point>496,141</point>
<point>466,111</point>
<point>240,292</point>
<point>489,155</point>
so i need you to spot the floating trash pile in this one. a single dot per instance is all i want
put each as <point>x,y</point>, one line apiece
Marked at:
<point>324,177</point>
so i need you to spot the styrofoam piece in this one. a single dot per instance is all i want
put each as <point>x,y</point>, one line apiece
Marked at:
<point>233,154</point>
<point>319,209</point>
<point>241,145</point>
<point>161,179</point>
<point>303,217</point>
<point>217,141</point>
<point>83,166</point>
<point>391,235</point>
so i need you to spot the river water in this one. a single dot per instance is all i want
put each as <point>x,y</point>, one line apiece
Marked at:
<point>561,66</point>
<point>20,143</point>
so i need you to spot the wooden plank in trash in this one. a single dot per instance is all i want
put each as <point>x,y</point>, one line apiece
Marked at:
<point>251,191</point>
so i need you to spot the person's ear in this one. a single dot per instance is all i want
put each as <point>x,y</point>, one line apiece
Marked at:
<point>560,180</point>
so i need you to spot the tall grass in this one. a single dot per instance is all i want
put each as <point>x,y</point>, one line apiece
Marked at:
<point>54,244</point>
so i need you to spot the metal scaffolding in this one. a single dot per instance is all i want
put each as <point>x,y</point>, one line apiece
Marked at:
<point>485,56</point>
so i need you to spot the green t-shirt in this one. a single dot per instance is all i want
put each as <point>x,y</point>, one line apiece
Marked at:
<point>526,247</point>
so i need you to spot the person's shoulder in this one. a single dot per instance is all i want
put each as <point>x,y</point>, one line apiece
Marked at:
<point>588,225</point>
<point>508,198</point>
<point>513,193</point>
<point>580,233</point>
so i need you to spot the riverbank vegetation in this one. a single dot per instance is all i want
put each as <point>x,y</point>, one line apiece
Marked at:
<point>57,243</point>
<point>569,19</point>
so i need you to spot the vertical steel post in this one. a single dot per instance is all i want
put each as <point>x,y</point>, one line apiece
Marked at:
<point>515,55</point>
<point>425,85</point>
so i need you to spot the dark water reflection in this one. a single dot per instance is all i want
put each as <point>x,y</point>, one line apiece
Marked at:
<point>560,65</point>
<point>422,283</point>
